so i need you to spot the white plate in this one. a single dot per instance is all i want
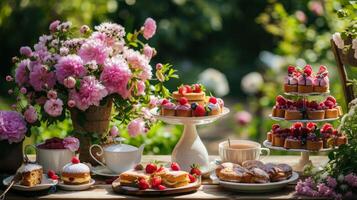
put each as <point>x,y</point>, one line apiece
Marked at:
<point>103,171</point>
<point>76,187</point>
<point>268,144</point>
<point>46,183</point>
<point>303,120</point>
<point>255,187</point>
<point>308,94</point>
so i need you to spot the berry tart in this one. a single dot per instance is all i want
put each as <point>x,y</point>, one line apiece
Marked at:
<point>213,106</point>
<point>321,81</point>
<point>290,81</point>
<point>314,142</point>
<point>273,130</point>
<point>168,108</point>
<point>327,133</point>
<point>279,137</point>
<point>75,173</point>
<point>280,107</point>
<point>183,109</point>
<point>315,111</point>
<point>305,80</point>
<point>332,110</point>
<point>293,141</point>
<point>294,110</point>
<point>193,93</point>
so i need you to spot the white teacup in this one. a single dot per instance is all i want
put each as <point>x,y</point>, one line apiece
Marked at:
<point>51,159</point>
<point>240,151</point>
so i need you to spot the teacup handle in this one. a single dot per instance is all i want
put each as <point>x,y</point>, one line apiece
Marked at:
<point>267,152</point>
<point>26,159</point>
<point>98,153</point>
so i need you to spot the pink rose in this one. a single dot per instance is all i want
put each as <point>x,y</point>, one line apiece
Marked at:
<point>136,127</point>
<point>149,28</point>
<point>71,103</point>
<point>23,90</point>
<point>141,88</point>
<point>9,78</point>
<point>159,66</point>
<point>69,82</point>
<point>30,115</point>
<point>114,131</point>
<point>148,51</point>
<point>54,25</point>
<point>53,107</point>
<point>52,94</point>
<point>26,51</point>
<point>71,143</point>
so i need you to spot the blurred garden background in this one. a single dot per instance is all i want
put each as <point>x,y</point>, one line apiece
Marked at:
<point>239,49</point>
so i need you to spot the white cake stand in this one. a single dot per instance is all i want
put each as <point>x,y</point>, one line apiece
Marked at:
<point>190,149</point>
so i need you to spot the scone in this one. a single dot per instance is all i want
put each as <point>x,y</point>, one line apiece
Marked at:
<point>75,173</point>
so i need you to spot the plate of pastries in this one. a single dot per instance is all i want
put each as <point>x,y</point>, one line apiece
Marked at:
<point>153,179</point>
<point>30,177</point>
<point>254,176</point>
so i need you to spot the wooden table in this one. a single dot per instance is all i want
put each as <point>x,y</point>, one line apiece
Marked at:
<point>207,191</point>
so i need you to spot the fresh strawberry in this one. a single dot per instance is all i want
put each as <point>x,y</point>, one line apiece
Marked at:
<point>212,100</point>
<point>150,168</point>
<point>175,166</point>
<point>280,100</point>
<point>164,101</point>
<point>139,167</point>
<point>327,128</point>
<point>297,125</point>
<point>199,111</point>
<point>54,177</point>
<point>161,187</point>
<point>197,88</point>
<point>195,170</point>
<point>291,69</point>
<point>143,184</point>
<point>183,101</point>
<point>308,70</point>
<point>188,89</point>
<point>51,173</point>
<point>156,181</point>
<point>182,90</point>
<point>192,178</point>
<point>331,98</point>
<point>311,126</point>
<point>75,160</point>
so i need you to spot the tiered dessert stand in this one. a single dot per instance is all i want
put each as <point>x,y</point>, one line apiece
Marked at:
<point>190,148</point>
<point>304,159</point>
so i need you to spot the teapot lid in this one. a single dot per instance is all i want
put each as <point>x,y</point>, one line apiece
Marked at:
<point>120,148</point>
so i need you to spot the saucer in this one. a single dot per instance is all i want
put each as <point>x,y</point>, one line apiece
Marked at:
<point>76,187</point>
<point>103,171</point>
<point>46,183</point>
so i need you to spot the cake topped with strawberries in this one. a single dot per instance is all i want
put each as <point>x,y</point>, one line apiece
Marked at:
<point>291,81</point>
<point>321,81</point>
<point>194,93</point>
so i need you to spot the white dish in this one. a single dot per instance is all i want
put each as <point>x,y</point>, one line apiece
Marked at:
<point>255,187</point>
<point>103,171</point>
<point>303,120</point>
<point>45,184</point>
<point>76,187</point>
<point>268,144</point>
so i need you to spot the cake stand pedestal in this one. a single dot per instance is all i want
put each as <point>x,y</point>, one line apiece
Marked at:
<point>190,149</point>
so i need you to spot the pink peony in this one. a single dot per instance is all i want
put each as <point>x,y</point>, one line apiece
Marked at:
<point>69,82</point>
<point>53,107</point>
<point>12,126</point>
<point>54,25</point>
<point>52,94</point>
<point>71,103</point>
<point>136,127</point>
<point>21,73</point>
<point>40,78</point>
<point>93,49</point>
<point>71,65</point>
<point>115,76</point>
<point>149,28</point>
<point>148,51</point>
<point>31,115</point>
<point>71,143</point>
<point>140,62</point>
<point>90,93</point>
<point>141,88</point>
<point>114,131</point>
<point>26,51</point>
<point>243,117</point>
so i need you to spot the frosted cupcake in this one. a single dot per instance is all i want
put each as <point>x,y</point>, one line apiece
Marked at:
<point>183,109</point>
<point>290,81</point>
<point>213,106</point>
<point>168,108</point>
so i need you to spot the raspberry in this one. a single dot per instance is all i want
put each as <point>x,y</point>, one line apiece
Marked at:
<point>156,181</point>
<point>192,178</point>
<point>183,101</point>
<point>291,69</point>
<point>331,98</point>
<point>329,104</point>
<point>197,88</point>
<point>327,128</point>
<point>51,173</point>
<point>313,104</point>
<point>212,100</point>
<point>150,168</point>
<point>311,125</point>
<point>182,90</point>
<point>175,166</point>
<point>297,125</point>
<point>143,184</point>
<point>161,187</point>
<point>75,160</point>
<point>188,89</point>
<point>54,177</point>
<point>308,70</point>
<point>199,111</point>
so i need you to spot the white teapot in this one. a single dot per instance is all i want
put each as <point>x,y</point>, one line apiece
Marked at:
<point>119,157</point>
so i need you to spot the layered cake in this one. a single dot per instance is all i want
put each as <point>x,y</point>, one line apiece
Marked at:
<point>193,93</point>
<point>75,173</point>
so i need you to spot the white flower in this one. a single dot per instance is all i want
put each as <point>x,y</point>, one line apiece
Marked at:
<point>336,37</point>
<point>252,82</point>
<point>214,80</point>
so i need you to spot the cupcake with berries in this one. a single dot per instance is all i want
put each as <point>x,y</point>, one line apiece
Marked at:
<point>321,81</point>
<point>327,133</point>
<point>290,81</point>
<point>213,107</point>
<point>305,80</point>
<point>315,111</point>
<point>293,141</point>
<point>198,110</point>
<point>332,110</point>
<point>279,137</point>
<point>167,108</point>
<point>280,107</point>
<point>183,109</point>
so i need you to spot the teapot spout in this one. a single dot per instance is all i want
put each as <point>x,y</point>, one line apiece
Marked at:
<point>140,153</point>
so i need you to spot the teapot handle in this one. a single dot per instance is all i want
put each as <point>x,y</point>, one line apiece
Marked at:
<point>140,153</point>
<point>98,154</point>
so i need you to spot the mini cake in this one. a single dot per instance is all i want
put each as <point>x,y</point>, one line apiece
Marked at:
<point>194,93</point>
<point>292,143</point>
<point>198,110</point>
<point>270,134</point>
<point>213,106</point>
<point>339,138</point>
<point>293,114</point>
<point>327,135</point>
<point>321,82</point>
<point>315,111</point>
<point>183,109</point>
<point>279,137</point>
<point>332,111</point>
<point>31,174</point>
<point>75,173</point>
<point>280,106</point>
<point>305,80</point>
<point>313,143</point>
<point>290,81</point>
<point>168,108</point>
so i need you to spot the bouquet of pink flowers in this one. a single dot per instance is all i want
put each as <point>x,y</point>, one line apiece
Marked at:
<point>77,69</point>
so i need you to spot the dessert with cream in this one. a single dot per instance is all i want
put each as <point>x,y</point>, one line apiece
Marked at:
<point>291,81</point>
<point>168,108</point>
<point>332,110</point>
<point>315,110</point>
<point>183,109</point>
<point>305,80</point>
<point>213,106</point>
<point>280,107</point>
<point>75,173</point>
<point>321,81</point>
